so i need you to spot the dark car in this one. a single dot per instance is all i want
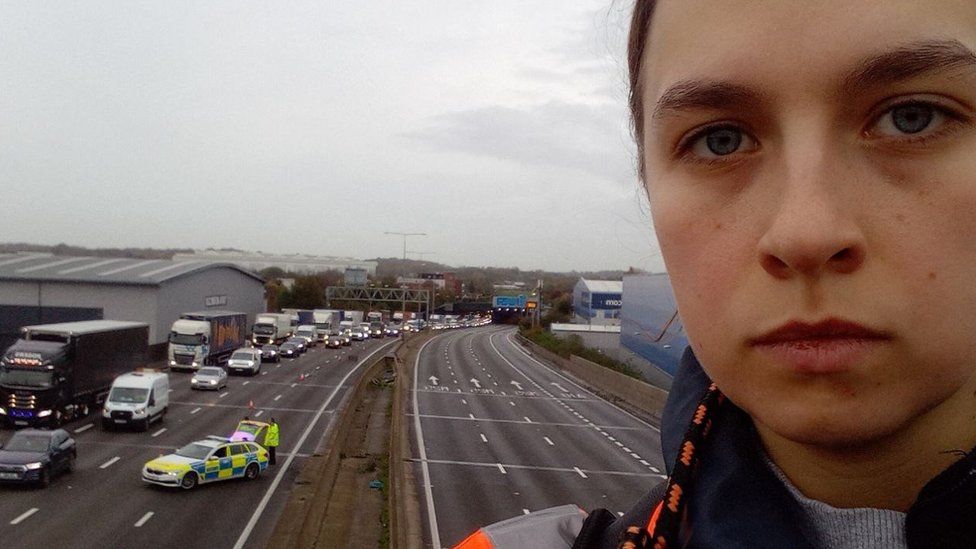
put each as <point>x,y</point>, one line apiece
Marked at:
<point>289,350</point>
<point>300,343</point>
<point>269,353</point>
<point>34,456</point>
<point>334,342</point>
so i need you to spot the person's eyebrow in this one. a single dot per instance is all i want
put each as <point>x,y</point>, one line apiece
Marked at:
<point>704,94</point>
<point>909,61</point>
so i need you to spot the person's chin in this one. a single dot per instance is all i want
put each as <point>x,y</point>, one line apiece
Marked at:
<point>841,428</point>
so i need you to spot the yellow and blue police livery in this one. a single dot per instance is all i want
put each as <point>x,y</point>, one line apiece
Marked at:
<point>208,460</point>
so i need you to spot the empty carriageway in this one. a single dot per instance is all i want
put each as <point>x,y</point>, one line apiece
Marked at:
<point>498,433</point>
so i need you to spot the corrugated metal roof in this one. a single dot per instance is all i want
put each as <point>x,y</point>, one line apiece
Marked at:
<point>604,286</point>
<point>34,267</point>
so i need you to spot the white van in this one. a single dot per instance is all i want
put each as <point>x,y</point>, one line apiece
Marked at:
<point>245,360</point>
<point>137,398</point>
<point>309,332</point>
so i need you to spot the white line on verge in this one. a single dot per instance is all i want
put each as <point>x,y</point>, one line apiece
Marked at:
<point>252,522</point>
<point>24,516</point>
<point>145,518</point>
<point>425,470</point>
<point>109,463</point>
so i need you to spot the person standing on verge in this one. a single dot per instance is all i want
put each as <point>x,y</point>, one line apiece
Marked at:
<point>271,441</point>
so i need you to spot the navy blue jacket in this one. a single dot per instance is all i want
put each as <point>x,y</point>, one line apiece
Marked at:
<point>738,502</point>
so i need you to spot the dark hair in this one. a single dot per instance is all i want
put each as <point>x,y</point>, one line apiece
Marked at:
<point>640,26</point>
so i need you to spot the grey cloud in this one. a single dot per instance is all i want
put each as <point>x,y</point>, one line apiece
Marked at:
<point>576,136</point>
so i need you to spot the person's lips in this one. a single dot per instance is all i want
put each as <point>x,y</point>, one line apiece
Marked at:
<point>828,346</point>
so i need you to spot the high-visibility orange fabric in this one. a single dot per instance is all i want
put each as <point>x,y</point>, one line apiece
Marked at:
<point>477,540</point>
<point>653,522</point>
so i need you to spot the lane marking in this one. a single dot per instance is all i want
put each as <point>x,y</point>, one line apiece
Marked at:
<point>259,414</point>
<point>24,516</point>
<point>277,397</point>
<point>222,395</point>
<point>501,468</point>
<point>159,432</point>
<point>530,357</point>
<point>512,403</point>
<point>252,522</point>
<point>109,463</point>
<point>549,442</point>
<point>422,449</point>
<point>85,428</point>
<point>245,383</point>
<point>580,473</point>
<point>655,469</point>
<point>145,518</point>
<point>635,456</point>
<point>471,416</point>
<point>527,420</point>
<point>294,384</point>
<point>484,438</point>
<point>525,511</point>
<point>464,401</point>
<point>193,411</point>
<point>645,463</point>
<point>538,468</point>
<point>522,422</point>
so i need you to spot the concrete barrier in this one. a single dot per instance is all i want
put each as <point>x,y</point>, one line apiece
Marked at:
<point>636,396</point>
<point>406,516</point>
<point>298,525</point>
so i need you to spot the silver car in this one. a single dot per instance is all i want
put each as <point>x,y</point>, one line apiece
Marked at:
<point>210,377</point>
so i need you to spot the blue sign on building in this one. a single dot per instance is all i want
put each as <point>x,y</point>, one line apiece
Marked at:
<point>606,301</point>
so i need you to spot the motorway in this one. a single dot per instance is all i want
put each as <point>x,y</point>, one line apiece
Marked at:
<point>105,503</point>
<point>498,433</point>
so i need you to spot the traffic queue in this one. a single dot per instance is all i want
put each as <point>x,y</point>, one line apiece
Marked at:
<point>133,401</point>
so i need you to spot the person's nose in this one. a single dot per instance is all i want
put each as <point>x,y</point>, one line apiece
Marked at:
<point>813,229</point>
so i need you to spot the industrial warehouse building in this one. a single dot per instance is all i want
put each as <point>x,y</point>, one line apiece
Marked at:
<point>597,301</point>
<point>44,289</point>
<point>293,263</point>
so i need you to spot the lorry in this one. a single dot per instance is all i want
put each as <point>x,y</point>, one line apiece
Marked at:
<point>58,372</point>
<point>271,329</point>
<point>356,317</point>
<point>326,321</point>
<point>205,338</point>
<point>299,316</point>
<point>136,399</point>
<point>374,316</point>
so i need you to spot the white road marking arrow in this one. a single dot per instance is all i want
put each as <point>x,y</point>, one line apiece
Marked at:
<point>518,386</point>
<point>433,380</point>
<point>560,387</point>
<point>476,383</point>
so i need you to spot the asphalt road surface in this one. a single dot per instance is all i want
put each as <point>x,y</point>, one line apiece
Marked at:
<point>105,503</point>
<point>498,433</point>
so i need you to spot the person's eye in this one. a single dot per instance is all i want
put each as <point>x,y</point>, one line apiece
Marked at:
<point>910,119</point>
<point>716,143</point>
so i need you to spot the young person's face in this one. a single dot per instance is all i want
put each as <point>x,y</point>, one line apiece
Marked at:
<point>808,161</point>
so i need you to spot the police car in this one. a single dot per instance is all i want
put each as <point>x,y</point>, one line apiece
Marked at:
<point>212,459</point>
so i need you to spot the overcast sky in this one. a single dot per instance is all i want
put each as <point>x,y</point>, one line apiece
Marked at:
<point>498,128</point>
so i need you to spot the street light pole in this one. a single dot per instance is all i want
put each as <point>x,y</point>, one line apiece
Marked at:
<point>404,235</point>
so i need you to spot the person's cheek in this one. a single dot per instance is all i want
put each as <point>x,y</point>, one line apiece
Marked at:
<point>703,252</point>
